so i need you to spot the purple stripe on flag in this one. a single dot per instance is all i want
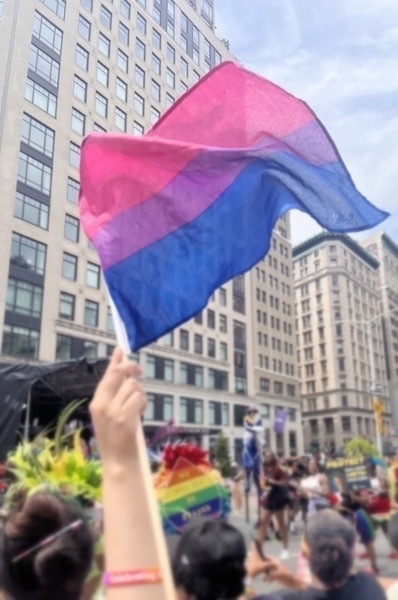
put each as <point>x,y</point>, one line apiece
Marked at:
<point>210,174</point>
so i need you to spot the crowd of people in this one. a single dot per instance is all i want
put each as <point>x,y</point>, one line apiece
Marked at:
<point>48,545</point>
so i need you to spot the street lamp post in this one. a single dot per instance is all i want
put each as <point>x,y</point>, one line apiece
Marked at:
<point>374,386</point>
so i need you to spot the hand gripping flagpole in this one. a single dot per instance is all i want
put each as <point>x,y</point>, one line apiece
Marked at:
<point>168,589</point>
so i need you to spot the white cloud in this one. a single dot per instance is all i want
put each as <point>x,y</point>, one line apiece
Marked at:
<point>342,58</point>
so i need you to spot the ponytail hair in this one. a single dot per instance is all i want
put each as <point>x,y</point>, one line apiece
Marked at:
<point>55,571</point>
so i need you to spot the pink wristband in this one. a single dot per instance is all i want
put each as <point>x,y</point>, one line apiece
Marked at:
<point>133,577</point>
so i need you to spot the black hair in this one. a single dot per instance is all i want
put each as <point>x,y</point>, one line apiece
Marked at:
<point>56,571</point>
<point>331,540</point>
<point>225,581</point>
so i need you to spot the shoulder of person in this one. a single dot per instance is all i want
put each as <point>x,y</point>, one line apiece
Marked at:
<point>365,586</point>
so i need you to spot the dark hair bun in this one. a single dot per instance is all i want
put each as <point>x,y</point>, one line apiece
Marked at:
<point>57,569</point>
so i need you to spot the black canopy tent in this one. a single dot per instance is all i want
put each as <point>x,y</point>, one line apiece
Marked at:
<point>30,392</point>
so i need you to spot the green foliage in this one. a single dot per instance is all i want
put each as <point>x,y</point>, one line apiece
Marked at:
<point>360,447</point>
<point>222,455</point>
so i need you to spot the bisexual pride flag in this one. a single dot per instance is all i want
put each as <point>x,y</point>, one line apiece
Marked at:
<point>178,212</point>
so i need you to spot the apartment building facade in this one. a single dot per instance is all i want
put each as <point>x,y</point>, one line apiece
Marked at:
<point>385,250</point>
<point>340,348</point>
<point>75,66</point>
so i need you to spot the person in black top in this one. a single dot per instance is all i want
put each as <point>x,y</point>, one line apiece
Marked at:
<point>330,542</point>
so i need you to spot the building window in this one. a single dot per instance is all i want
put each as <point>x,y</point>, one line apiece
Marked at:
<point>57,6</point>
<point>40,97</point>
<point>69,266</point>
<point>90,349</point>
<point>223,297</point>
<point>81,57</point>
<point>346,421</point>
<point>71,228</point>
<point>34,173</point>
<point>191,411</point>
<point>159,408</point>
<point>84,28</point>
<point>156,14</point>
<point>155,90</point>
<point>198,344</point>
<point>120,119</point>
<point>122,61</point>
<point>156,64</point>
<point>264,384</point>
<point>211,348</point>
<point>37,136</point>
<point>170,78</point>
<point>215,414</point>
<point>141,24</point>
<point>139,104</point>
<point>24,298</point>
<point>98,128</point>
<point>291,390</point>
<point>78,123</point>
<point>101,105</point>
<point>74,155</point>
<point>240,385</point>
<point>168,339</point>
<point>110,325</point>
<point>155,115</point>
<point>278,387</point>
<point>140,49</point>
<point>104,45</point>
<point>79,88</point>
<point>211,319</point>
<point>156,39</point>
<point>47,33</point>
<point>171,53</point>
<point>225,414</point>
<point>169,100</point>
<point>66,306</point>
<point>183,67</point>
<point>223,324</point>
<point>91,310</point>
<point>125,8</point>
<point>43,65</point>
<point>20,341</point>
<point>139,76</point>
<point>218,380</point>
<point>191,374</point>
<point>158,367</point>
<point>31,211</point>
<point>121,89</point>
<point>138,129</point>
<point>64,347</point>
<point>87,4</point>
<point>223,351</point>
<point>184,340</point>
<point>93,275</point>
<point>102,74</point>
<point>124,34</point>
<point>106,17</point>
<point>73,190</point>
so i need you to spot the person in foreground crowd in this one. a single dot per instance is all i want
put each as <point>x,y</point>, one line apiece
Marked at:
<point>47,550</point>
<point>329,545</point>
<point>315,489</point>
<point>208,561</point>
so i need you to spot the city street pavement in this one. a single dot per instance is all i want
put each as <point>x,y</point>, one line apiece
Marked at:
<point>388,567</point>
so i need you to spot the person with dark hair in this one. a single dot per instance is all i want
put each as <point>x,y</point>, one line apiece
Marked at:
<point>275,501</point>
<point>208,561</point>
<point>329,547</point>
<point>47,550</point>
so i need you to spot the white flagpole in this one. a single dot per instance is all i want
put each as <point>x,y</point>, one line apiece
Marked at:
<point>168,592</point>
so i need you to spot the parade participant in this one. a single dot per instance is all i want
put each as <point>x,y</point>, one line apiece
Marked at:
<point>329,543</point>
<point>315,489</point>
<point>275,501</point>
<point>252,448</point>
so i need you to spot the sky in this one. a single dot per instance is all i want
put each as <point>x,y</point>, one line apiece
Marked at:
<point>341,57</point>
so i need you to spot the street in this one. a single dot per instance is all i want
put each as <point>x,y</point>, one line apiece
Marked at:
<point>388,567</point>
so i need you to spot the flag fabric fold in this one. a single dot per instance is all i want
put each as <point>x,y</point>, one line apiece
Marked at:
<point>178,212</point>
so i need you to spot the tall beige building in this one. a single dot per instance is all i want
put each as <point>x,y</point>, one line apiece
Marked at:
<point>339,340</point>
<point>385,250</point>
<point>74,66</point>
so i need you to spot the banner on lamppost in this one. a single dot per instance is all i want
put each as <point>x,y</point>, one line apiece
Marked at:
<point>281,416</point>
<point>378,411</point>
